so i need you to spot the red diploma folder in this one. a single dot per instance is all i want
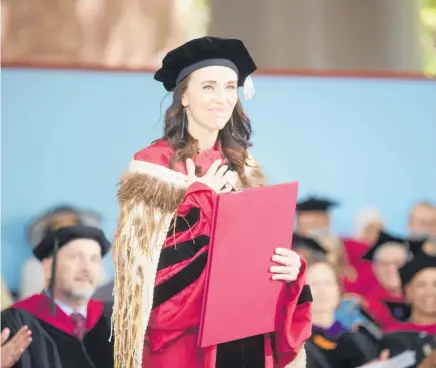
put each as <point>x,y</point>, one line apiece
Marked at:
<point>240,299</point>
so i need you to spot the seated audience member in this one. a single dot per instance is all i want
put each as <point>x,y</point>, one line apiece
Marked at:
<point>418,331</point>
<point>65,323</point>
<point>387,255</point>
<point>313,220</point>
<point>347,314</point>
<point>422,227</point>
<point>33,277</point>
<point>326,294</point>
<point>422,221</point>
<point>332,344</point>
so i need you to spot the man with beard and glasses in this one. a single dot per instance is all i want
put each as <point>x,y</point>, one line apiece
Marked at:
<point>386,256</point>
<point>33,277</point>
<point>69,329</point>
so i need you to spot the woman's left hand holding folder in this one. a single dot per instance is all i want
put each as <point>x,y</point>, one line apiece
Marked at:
<point>290,264</point>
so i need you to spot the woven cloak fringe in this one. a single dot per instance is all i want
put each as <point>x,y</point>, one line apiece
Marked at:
<point>147,206</point>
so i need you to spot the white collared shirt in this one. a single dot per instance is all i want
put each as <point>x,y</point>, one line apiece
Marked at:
<point>68,310</point>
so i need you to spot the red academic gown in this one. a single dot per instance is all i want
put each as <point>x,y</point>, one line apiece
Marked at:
<point>361,279</point>
<point>93,351</point>
<point>366,286</point>
<point>373,303</point>
<point>171,339</point>
<point>411,327</point>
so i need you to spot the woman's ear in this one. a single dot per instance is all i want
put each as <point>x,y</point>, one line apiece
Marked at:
<point>184,100</point>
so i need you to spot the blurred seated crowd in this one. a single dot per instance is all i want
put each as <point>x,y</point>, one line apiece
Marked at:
<point>374,293</point>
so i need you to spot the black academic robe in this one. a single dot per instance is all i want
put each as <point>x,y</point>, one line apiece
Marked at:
<point>320,350</point>
<point>54,334</point>
<point>355,349</point>
<point>422,343</point>
<point>42,352</point>
<point>346,350</point>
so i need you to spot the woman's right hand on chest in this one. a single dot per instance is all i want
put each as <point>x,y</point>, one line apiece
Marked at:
<point>219,179</point>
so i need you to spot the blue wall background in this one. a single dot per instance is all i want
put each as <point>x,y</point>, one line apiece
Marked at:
<point>68,135</point>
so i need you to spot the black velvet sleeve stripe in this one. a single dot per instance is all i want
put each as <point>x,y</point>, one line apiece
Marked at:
<point>305,295</point>
<point>181,280</point>
<point>181,251</point>
<point>184,223</point>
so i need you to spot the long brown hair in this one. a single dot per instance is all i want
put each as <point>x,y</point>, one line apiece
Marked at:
<point>233,140</point>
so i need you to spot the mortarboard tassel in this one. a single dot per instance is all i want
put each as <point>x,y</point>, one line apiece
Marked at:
<point>53,277</point>
<point>249,90</point>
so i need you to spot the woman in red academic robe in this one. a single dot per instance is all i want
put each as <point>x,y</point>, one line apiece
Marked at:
<point>162,241</point>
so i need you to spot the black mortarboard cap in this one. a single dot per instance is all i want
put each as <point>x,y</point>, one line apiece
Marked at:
<point>299,241</point>
<point>400,311</point>
<point>353,349</point>
<point>419,262</point>
<point>57,238</point>
<point>315,204</point>
<point>60,226</point>
<point>202,52</point>
<point>383,239</point>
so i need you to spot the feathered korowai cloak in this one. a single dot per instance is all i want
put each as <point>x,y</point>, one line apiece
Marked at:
<point>149,195</point>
